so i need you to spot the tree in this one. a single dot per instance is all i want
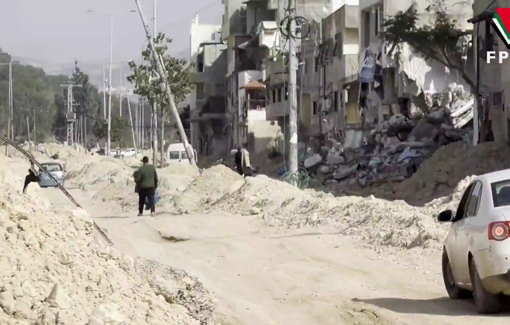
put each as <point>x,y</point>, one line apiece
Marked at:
<point>120,129</point>
<point>33,97</point>
<point>440,40</point>
<point>177,74</point>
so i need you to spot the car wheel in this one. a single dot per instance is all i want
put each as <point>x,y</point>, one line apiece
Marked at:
<point>486,303</point>
<point>454,292</point>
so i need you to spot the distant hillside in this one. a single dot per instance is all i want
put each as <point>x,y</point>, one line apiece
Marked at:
<point>93,69</point>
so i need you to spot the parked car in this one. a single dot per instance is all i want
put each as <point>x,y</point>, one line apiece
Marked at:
<point>476,254</point>
<point>56,169</point>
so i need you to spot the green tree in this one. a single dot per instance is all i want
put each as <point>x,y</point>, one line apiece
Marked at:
<point>120,129</point>
<point>441,40</point>
<point>177,74</point>
<point>33,97</point>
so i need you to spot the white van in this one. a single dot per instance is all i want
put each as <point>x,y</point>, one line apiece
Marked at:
<point>176,154</point>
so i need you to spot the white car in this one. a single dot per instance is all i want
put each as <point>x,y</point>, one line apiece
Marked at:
<point>476,255</point>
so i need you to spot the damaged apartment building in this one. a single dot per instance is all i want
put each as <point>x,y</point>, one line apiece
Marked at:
<point>249,29</point>
<point>400,82</point>
<point>207,99</point>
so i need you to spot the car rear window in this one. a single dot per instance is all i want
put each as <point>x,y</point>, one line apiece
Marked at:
<point>53,167</point>
<point>174,155</point>
<point>501,193</point>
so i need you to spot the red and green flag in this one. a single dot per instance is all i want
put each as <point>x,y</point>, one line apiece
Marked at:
<point>501,22</point>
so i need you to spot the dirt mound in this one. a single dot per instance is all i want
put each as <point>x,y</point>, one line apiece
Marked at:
<point>96,172</point>
<point>211,185</point>
<point>264,195</point>
<point>439,175</point>
<point>61,275</point>
<point>172,181</point>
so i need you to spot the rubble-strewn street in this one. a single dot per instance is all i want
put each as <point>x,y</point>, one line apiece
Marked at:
<point>266,251</point>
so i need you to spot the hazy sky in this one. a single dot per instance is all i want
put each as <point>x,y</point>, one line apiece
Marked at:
<point>61,30</point>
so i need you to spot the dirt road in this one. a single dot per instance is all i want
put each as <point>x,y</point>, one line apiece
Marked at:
<point>264,276</point>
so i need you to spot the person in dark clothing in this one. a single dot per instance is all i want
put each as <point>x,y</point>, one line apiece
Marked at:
<point>238,158</point>
<point>146,180</point>
<point>30,178</point>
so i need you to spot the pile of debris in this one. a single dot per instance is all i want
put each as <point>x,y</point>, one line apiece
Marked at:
<point>394,149</point>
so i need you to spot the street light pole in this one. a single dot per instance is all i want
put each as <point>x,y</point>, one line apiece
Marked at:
<point>109,130</point>
<point>109,114</point>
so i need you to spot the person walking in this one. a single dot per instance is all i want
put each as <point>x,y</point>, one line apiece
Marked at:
<point>238,158</point>
<point>31,177</point>
<point>146,180</point>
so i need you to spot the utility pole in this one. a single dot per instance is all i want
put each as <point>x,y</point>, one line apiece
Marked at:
<point>71,115</point>
<point>120,91</point>
<point>10,106</point>
<point>28,132</point>
<point>131,122</point>
<point>104,92</point>
<point>109,129</point>
<point>164,85</point>
<point>142,125</point>
<point>35,130</point>
<point>293,67</point>
<point>161,109</point>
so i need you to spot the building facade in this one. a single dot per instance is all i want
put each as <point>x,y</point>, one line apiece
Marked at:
<point>494,77</point>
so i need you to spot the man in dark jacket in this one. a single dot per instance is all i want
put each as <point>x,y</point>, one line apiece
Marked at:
<point>146,180</point>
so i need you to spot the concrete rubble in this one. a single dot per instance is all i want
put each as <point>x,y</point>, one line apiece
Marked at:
<point>394,149</point>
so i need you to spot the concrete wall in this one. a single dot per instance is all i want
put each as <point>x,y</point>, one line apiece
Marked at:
<point>262,134</point>
<point>257,12</point>
<point>198,34</point>
<point>232,21</point>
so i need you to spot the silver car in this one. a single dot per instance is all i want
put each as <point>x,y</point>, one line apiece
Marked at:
<point>56,170</point>
<point>476,254</point>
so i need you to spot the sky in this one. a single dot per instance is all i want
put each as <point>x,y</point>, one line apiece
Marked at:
<point>58,31</point>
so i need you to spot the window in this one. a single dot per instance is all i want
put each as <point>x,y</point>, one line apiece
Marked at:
<point>274,95</point>
<point>286,93</point>
<point>339,45</point>
<point>184,155</point>
<point>460,214</point>
<point>317,63</point>
<point>380,19</point>
<point>501,193</point>
<point>366,28</point>
<point>174,155</point>
<point>279,94</point>
<point>200,91</point>
<point>335,102</point>
<point>376,23</point>
<point>53,167</point>
<point>315,108</point>
<point>473,203</point>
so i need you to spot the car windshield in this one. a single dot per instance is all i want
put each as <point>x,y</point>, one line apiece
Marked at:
<point>53,167</point>
<point>501,193</point>
<point>174,155</point>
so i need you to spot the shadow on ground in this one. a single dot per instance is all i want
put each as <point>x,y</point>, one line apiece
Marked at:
<point>437,306</point>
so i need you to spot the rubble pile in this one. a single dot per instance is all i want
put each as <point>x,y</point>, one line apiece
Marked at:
<point>442,173</point>
<point>210,186</point>
<point>94,172</point>
<point>395,149</point>
<point>56,273</point>
<point>280,205</point>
